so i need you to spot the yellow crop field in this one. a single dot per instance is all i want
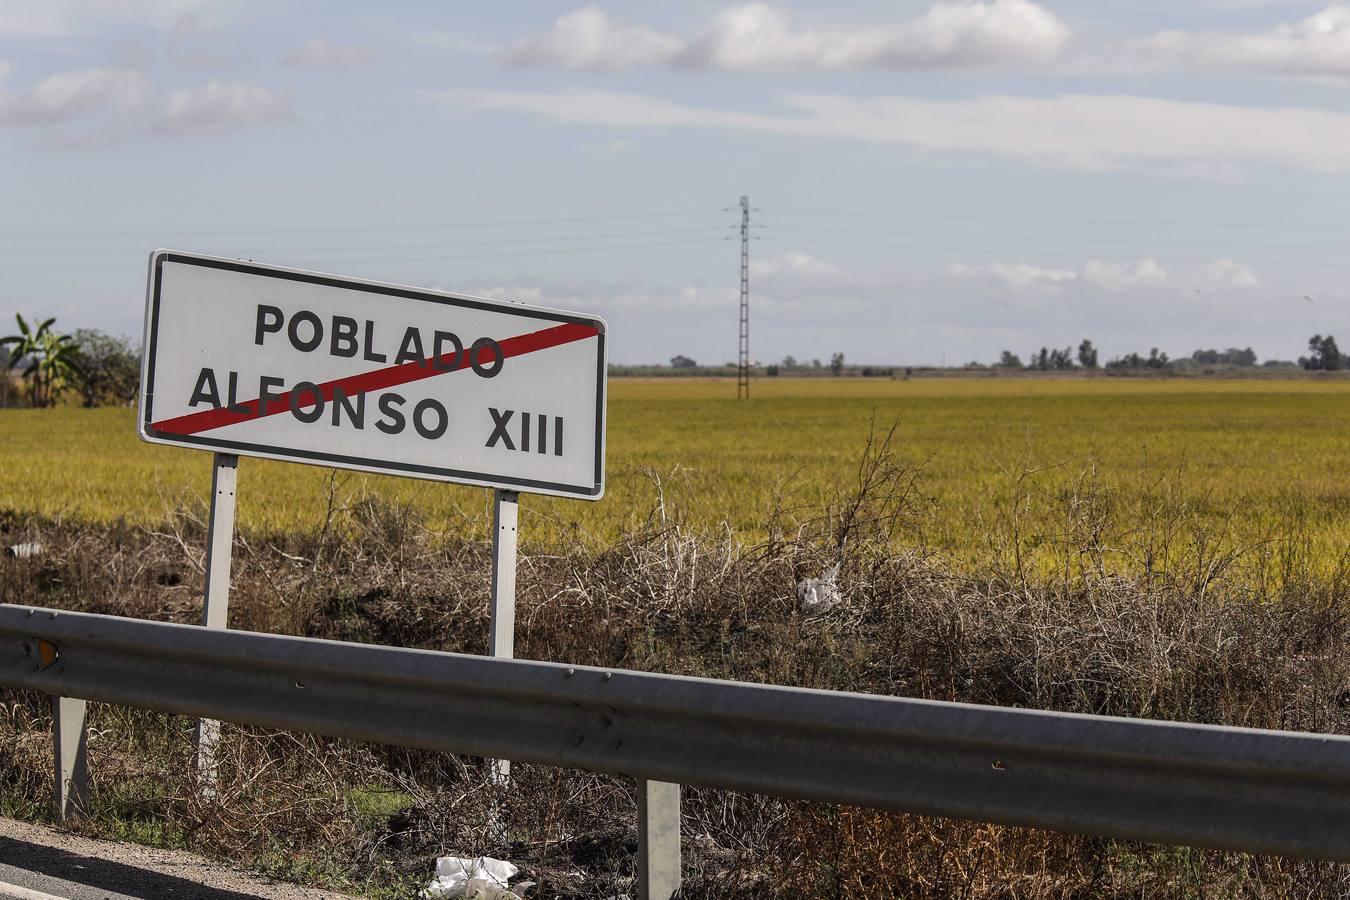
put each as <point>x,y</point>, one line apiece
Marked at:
<point>1254,461</point>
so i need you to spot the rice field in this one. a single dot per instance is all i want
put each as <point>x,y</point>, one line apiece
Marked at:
<point>1256,462</point>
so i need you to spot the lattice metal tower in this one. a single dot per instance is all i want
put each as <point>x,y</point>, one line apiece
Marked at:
<point>743,359</point>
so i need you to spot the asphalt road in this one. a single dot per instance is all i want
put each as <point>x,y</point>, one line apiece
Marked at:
<point>38,863</point>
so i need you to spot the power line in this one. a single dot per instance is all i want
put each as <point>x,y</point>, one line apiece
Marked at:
<point>1055,238</point>
<point>981,250</point>
<point>441,258</point>
<point>433,246</point>
<point>507,223</point>
<point>333,229</point>
<point>1128,222</point>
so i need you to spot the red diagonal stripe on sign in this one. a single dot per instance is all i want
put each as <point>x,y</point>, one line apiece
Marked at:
<point>375,380</point>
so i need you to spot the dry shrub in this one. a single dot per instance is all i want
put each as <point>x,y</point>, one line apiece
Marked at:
<point>1146,617</point>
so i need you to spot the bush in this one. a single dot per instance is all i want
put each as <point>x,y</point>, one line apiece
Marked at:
<point>109,368</point>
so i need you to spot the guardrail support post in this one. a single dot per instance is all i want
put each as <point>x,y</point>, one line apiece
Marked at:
<point>658,839</point>
<point>502,640</point>
<point>216,605</point>
<point>71,769</point>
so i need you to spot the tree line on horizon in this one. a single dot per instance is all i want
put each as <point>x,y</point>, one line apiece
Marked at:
<point>1324,355</point>
<point>105,370</point>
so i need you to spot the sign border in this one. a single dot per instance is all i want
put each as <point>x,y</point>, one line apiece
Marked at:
<point>310,457</point>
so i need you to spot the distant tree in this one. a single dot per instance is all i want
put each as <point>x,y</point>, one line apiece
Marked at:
<point>1314,358</point>
<point>109,367</point>
<point>1156,360</point>
<point>1041,360</point>
<point>1331,354</point>
<point>682,362</point>
<point>1324,354</point>
<point>1009,360</point>
<point>48,359</point>
<point>1061,359</point>
<point>1087,354</point>
<point>771,371</point>
<point>789,362</point>
<point>815,364</point>
<point>836,363</point>
<point>1230,357</point>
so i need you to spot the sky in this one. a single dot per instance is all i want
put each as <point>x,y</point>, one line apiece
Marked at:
<point>929,182</point>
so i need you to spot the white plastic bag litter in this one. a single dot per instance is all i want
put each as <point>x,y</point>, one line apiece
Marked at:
<point>818,595</point>
<point>484,889</point>
<point>476,878</point>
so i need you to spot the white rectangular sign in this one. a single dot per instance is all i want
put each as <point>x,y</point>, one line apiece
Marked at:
<point>286,364</point>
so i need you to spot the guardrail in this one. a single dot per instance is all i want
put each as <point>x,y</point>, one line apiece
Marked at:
<point>1226,788</point>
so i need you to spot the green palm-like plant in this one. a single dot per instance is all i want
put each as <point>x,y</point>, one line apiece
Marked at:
<point>51,359</point>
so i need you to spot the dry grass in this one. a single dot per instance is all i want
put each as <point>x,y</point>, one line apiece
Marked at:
<point>1196,627</point>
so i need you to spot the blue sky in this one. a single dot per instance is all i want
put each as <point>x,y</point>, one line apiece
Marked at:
<point>932,181</point>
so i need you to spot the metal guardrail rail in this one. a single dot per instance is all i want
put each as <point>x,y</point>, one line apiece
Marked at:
<point>1227,788</point>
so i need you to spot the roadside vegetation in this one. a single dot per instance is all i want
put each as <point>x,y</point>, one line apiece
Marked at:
<point>1144,611</point>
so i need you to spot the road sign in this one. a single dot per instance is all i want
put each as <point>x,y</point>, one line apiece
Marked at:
<point>258,360</point>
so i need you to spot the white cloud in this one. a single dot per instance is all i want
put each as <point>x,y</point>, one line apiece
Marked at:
<point>320,53</point>
<point>610,298</point>
<point>1075,131</point>
<point>36,19</point>
<point>66,96</point>
<point>791,263</point>
<point>1114,276</point>
<point>761,37</point>
<point>1025,275</point>
<point>1019,276</point>
<point>1136,278</point>
<point>221,106</point>
<point>95,107</point>
<point>588,39</point>
<point>1318,46</point>
<point>1223,274</point>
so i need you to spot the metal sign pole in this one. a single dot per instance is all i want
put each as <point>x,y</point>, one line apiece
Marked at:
<point>502,640</point>
<point>215,614</point>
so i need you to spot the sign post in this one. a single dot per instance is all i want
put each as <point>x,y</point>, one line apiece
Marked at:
<point>216,606</point>
<point>502,641</point>
<point>245,359</point>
